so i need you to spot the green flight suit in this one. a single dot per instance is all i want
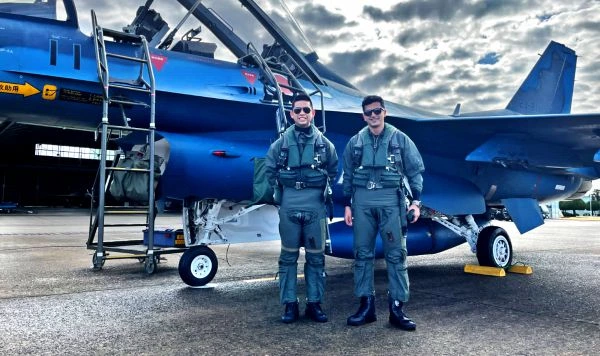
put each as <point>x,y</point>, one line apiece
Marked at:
<point>378,204</point>
<point>302,181</point>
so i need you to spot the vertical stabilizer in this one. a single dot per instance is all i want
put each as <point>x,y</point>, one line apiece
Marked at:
<point>548,88</point>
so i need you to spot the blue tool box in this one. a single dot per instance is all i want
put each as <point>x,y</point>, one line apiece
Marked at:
<point>166,238</point>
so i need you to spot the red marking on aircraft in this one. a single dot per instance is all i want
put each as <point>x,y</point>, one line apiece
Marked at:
<point>282,80</point>
<point>250,77</point>
<point>158,61</point>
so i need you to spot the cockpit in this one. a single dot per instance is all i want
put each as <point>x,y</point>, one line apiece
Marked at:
<point>253,32</point>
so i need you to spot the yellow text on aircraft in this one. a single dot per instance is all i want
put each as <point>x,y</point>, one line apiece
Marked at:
<point>18,89</point>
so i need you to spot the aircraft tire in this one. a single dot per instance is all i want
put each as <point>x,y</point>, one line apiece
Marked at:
<point>198,266</point>
<point>494,248</point>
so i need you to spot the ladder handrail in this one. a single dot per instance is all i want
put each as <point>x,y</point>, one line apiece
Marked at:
<point>297,84</point>
<point>281,119</point>
<point>266,67</point>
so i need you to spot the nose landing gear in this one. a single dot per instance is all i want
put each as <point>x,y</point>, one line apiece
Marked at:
<point>198,266</point>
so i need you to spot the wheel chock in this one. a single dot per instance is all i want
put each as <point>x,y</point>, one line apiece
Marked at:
<point>522,269</point>
<point>485,270</point>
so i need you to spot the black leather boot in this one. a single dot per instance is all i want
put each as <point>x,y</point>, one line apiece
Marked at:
<point>291,312</point>
<point>397,317</point>
<point>365,313</point>
<point>314,312</point>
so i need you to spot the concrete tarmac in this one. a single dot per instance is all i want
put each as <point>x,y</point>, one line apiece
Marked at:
<point>53,303</point>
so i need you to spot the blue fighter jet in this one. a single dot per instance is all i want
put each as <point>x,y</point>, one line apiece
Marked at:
<point>210,121</point>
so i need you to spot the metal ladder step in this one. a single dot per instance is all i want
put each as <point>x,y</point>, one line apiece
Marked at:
<point>139,88</point>
<point>129,102</point>
<point>122,169</point>
<point>131,207</point>
<point>129,58</point>
<point>127,128</point>
<point>124,225</point>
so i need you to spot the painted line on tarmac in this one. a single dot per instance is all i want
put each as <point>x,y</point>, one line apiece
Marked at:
<point>265,279</point>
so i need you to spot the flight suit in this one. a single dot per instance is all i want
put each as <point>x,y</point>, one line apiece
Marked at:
<point>373,175</point>
<point>303,184</point>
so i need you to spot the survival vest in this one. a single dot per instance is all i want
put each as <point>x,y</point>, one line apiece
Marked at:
<point>306,171</point>
<point>381,167</point>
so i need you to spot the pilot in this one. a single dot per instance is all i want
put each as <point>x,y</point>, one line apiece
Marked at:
<point>300,165</point>
<point>375,162</point>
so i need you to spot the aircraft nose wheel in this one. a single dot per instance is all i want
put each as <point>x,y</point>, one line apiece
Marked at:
<point>198,266</point>
<point>494,248</point>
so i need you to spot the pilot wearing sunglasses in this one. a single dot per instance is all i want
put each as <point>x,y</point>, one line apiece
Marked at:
<point>376,160</point>
<point>300,165</point>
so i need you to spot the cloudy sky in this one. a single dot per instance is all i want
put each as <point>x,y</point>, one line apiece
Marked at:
<point>427,53</point>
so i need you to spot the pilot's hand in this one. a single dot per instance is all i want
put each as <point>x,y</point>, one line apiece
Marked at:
<point>413,213</point>
<point>348,216</point>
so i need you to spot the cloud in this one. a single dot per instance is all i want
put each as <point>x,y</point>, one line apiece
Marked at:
<point>354,63</point>
<point>424,52</point>
<point>320,39</point>
<point>320,17</point>
<point>444,10</point>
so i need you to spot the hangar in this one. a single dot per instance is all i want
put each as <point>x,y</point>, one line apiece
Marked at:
<point>53,179</point>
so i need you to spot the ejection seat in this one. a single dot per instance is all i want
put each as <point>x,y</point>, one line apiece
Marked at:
<point>205,49</point>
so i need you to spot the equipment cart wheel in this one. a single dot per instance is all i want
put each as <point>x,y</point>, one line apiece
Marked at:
<point>494,248</point>
<point>198,266</point>
<point>151,264</point>
<point>97,262</point>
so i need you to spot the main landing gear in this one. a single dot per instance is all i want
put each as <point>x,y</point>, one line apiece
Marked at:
<point>494,248</point>
<point>490,243</point>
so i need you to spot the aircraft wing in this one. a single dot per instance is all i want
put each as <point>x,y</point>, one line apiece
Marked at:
<point>552,141</point>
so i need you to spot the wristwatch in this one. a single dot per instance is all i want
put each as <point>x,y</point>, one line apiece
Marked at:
<point>417,203</point>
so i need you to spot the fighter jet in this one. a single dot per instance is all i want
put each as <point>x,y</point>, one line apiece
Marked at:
<point>205,123</point>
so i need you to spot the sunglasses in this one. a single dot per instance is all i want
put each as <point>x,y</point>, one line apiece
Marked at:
<point>376,111</point>
<point>306,110</point>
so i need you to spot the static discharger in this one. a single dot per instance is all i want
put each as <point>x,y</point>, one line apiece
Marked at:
<point>485,270</point>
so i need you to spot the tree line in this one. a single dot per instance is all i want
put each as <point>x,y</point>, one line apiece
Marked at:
<point>579,204</point>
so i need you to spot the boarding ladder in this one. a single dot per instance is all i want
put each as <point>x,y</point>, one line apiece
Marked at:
<point>277,65</point>
<point>125,89</point>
